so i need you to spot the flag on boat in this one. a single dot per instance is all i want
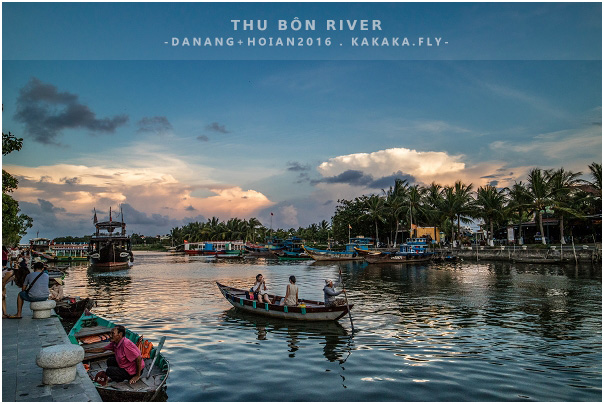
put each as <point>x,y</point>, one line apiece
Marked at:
<point>94,219</point>
<point>271,213</point>
<point>110,214</point>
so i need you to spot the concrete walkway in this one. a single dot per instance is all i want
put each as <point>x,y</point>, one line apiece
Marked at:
<point>21,341</point>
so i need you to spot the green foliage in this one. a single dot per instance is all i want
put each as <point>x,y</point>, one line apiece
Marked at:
<point>14,223</point>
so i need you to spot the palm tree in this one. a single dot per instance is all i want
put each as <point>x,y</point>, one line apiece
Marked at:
<point>539,191</point>
<point>374,209</point>
<point>562,185</point>
<point>396,202</point>
<point>449,208</point>
<point>414,207</point>
<point>518,201</point>
<point>433,201</point>
<point>464,203</point>
<point>490,202</point>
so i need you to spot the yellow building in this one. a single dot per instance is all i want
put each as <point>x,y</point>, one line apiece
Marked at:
<point>433,232</point>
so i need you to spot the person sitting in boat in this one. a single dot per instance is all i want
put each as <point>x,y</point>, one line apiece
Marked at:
<point>56,290</point>
<point>291,293</point>
<point>261,290</point>
<point>127,364</point>
<point>329,292</point>
<point>35,288</point>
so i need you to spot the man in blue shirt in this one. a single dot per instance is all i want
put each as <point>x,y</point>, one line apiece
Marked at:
<point>35,288</point>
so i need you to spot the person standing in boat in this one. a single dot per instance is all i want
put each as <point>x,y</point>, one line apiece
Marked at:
<point>291,293</point>
<point>127,364</point>
<point>329,293</point>
<point>261,289</point>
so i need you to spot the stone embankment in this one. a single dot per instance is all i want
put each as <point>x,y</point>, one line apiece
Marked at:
<point>580,253</point>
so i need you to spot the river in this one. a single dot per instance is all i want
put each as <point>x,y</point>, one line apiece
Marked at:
<point>470,331</point>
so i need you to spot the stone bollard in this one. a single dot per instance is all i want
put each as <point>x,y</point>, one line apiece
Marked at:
<point>59,363</point>
<point>42,309</point>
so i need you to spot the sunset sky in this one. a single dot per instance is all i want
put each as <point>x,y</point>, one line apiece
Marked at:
<point>110,114</point>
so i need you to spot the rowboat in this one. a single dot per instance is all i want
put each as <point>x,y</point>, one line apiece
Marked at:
<point>307,310</point>
<point>92,331</point>
<point>73,307</point>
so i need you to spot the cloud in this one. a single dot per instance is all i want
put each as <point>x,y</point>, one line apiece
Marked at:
<point>150,189</point>
<point>203,138</point>
<point>46,112</point>
<point>295,166</point>
<point>424,167</point>
<point>157,124</point>
<point>352,177</point>
<point>215,127</point>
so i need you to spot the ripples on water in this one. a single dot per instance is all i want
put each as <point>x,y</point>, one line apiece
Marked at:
<point>438,332</point>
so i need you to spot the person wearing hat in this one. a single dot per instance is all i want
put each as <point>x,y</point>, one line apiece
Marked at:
<point>329,293</point>
<point>56,290</point>
<point>35,288</point>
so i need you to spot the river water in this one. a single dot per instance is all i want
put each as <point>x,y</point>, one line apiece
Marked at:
<point>471,331</point>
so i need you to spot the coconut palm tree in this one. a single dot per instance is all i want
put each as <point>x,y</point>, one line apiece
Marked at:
<point>464,204</point>
<point>396,202</point>
<point>433,201</point>
<point>374,209</point>
<point>539,191</point>
<point>489,203</point>
<point>415,204</point>
<point>563,184</point>
<point>518,201</point>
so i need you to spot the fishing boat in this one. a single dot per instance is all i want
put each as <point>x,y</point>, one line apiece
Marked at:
<point>92,331</point>
<point>109,251</point>
<point>307,310</point>
<point>40,247</point>
<point>73,307</point>
<point>413,250</point>
<point>349,254</point>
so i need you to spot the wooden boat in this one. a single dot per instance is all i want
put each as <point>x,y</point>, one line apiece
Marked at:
<point>349,254</point>
<point>73,307</point>
<point>108,251</point>
<point>311,311</point>
<point>146,389</point>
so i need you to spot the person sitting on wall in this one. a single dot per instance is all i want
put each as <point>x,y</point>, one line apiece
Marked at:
<point>35,288</point>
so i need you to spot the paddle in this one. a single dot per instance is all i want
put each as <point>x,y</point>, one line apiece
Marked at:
<point>161,344</point>
<point>346,297</point>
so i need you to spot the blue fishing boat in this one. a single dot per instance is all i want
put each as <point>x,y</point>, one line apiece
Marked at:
<point>350,253</point>
<point>413,250</point>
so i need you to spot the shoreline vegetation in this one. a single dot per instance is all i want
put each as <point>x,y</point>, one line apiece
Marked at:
<point>559,196</point>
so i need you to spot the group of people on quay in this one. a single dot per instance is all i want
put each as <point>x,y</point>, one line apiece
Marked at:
<point>261,293</point>
<point>127,363</point>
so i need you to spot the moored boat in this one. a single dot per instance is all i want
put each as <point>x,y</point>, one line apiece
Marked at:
<point>73,307</point>
<point>349,254</point>
<point>108,251</point>
<point>414,250</point>
<point>92,331</point>
<point>307,310</point>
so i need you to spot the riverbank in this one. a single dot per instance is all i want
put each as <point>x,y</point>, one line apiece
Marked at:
<point>568,254</point>
<point>21,341</point>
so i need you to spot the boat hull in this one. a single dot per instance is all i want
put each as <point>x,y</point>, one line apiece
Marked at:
<point>315,311</point>
<point>325,255</point>
<point>145,389</point>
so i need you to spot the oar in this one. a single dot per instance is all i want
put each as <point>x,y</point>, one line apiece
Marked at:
<point>346,297</point>
<point>161,344</point>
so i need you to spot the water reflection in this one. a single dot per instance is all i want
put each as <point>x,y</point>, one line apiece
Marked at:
<point>336,337</point>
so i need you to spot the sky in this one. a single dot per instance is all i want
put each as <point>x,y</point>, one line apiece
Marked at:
<point>112,114</point>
